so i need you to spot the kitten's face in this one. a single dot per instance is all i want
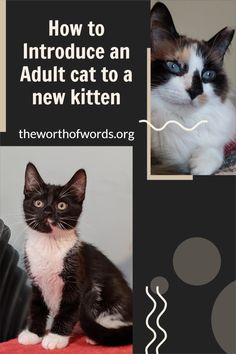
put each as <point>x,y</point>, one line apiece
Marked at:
<point>47,207</point>
<point>186,71</point>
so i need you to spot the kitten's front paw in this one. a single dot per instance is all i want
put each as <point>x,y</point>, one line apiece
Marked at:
<point>205,163</point>
<point>55,341</point>
<point>26,337</point>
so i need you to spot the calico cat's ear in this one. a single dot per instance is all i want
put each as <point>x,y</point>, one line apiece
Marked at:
<point>78,181</point>
<point>33,180</point>
<point>221,41</point>
<point>161,20</point>
<point>163,32</point>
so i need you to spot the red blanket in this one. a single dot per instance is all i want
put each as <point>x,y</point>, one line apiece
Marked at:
<point>77,346</point>
<point>231,147</point>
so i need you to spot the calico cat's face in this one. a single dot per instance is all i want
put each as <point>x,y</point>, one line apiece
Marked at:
<point>186,71</point>
<point>47,206</point>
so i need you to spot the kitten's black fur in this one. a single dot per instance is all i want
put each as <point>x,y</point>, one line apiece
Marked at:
<point>84,267</point>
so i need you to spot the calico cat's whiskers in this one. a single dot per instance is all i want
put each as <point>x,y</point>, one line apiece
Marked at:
<point>172,95</point>
<point>169,90</point>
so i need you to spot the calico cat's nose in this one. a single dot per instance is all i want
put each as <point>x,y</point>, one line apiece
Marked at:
<point>196,89</point>
<point>194,93</point>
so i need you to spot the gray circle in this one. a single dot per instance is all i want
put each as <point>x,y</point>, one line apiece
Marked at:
<point>161,282</point>
<point>223,319</point>
<point>197,261</point>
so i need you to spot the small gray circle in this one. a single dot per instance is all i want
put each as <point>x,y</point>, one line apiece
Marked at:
<point>223,319</point>
<point>161,282</point>
<point>197,261</point>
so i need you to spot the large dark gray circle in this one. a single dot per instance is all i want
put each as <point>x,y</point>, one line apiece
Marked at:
<point>223,319</point>
<point>197,261</point>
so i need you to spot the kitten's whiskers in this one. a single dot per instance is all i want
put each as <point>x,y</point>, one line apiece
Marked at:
<point>64,222</point>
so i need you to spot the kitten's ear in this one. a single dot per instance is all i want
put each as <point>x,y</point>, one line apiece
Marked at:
<point>33,180</point>
<point>162,27</point>
<point>221,41</point>
<point>78,181</point>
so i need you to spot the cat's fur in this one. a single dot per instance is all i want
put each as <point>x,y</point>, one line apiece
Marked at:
<point>71,280</point>
<point>188,98</point>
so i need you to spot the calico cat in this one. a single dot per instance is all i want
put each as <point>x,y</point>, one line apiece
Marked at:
<point>71,280</point>
<point>189,84</point>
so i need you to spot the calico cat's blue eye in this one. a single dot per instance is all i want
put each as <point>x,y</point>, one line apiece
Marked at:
<point>208,75</point>
<point>173,67</point>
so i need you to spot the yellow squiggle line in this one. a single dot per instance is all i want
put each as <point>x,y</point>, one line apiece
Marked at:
<point>147,319</point>
<point>158,318</point>
<point>173,122</point>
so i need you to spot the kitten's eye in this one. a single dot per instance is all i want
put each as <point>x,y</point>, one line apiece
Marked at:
<point>62,206</point>
<point>208,75</point>
<point>173,67</point>
<point>38,203</point>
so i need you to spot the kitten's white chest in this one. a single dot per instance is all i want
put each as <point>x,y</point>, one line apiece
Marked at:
<point>46,255</point>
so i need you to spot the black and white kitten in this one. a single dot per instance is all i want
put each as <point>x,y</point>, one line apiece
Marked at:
<point>71,280</point>
<point>189,84</point>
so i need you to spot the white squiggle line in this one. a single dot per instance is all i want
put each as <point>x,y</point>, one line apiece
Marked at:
<point>173,122</point>
<point>147,319</point>
<point>158,319</point>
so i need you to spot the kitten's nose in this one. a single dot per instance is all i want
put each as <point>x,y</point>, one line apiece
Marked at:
<point>196,89</point>
<point>47,210</point>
